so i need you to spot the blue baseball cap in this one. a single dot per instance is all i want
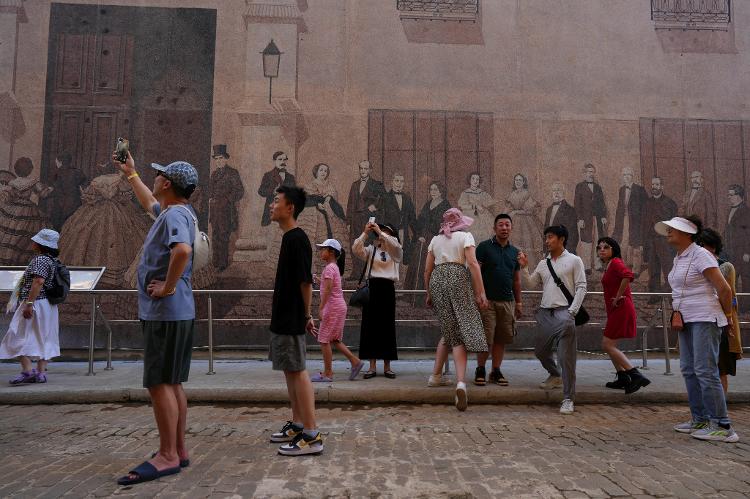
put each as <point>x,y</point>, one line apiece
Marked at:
<point>181,173</point>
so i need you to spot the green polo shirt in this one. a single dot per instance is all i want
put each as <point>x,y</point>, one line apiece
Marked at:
<point>499,263</point>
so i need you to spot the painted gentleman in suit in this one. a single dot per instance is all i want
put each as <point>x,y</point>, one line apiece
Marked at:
<point>365,198</point>
<point>225,191</point>
<point>271,181</point>
<point>737,235</point>
<point>698,201</point>
<point>628,231</point>
<point>561,213</point>
<point>592,216</point>
<point>659,207</point>
<point>399,211</point>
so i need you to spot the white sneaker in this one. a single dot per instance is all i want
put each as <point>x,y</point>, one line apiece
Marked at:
<point>567,407</point>
<point>438,380</point>
<point>551,383</point>
<point>462,401</point>
<point>716,433</point>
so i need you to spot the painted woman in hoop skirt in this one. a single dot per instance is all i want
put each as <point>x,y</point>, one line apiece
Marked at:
<point>323,217</point>
<point>527,228</point>
<point>478,204</point>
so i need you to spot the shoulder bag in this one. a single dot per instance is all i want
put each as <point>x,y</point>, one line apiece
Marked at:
<point>582,317</point>
<point>361,296</point>
<point>201,244</point>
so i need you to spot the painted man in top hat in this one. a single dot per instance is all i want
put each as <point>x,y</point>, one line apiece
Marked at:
<point>271,181</point>
<point>592,216</point>
<point>225,191</point>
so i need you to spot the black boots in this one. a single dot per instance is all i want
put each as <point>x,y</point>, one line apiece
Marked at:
<point>637,381</point>
<point>622,381</point>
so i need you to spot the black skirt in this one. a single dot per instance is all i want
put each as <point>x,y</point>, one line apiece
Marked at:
<point>377,337</point>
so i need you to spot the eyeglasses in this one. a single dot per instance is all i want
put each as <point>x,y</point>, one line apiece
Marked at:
<point>382,256</point>
<point>604,247</point>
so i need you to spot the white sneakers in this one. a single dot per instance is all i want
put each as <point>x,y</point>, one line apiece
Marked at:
<point>439,380</point>
<point>567,407</point>
<point>462,401</point>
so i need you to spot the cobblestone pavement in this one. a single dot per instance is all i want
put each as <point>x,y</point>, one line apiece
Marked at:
<point>385,451</point>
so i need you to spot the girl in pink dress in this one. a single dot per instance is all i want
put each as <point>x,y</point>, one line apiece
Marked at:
<point>332,311</point>
<point>621,318</point>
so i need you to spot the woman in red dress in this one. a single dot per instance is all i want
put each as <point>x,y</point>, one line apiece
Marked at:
<point>621,319</point>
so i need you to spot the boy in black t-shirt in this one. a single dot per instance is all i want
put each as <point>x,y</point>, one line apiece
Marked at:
<point>291,318</point>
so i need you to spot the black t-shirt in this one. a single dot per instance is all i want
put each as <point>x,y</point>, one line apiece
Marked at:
<point>294,268</point>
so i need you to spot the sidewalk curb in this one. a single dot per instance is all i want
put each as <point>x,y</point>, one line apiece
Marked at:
<point>337,395</point>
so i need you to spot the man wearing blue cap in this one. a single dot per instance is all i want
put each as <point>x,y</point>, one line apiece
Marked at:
<point>166,309</point>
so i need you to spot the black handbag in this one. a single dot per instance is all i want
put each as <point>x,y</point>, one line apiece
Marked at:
<point>361,296</point>
<point>582,317</point>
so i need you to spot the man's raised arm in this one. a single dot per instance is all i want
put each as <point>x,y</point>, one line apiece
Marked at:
<point>142,192</point>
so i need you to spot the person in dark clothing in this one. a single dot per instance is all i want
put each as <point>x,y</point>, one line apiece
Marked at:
<point>660,255</point>
<point>271,181</point>
<point>399,211</point>
<point>65,197</point>
<point>737,235</point>
<point>365,201</point>
<point>628,231</point>
<point>561,213</point>
<point>225,192</point>
<point>592,216</point>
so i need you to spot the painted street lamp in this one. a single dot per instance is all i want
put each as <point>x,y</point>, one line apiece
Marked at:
<point>271,59</point>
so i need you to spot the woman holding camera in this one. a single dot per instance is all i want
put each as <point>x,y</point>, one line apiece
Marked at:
<point>702,305</point>
<point>377,339</point>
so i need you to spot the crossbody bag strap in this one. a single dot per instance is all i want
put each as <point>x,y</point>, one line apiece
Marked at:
<point>559,282</point>
<point>372,259</point>
<point>684,281</point>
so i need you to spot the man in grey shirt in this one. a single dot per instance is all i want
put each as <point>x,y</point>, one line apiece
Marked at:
<point>555,316</point>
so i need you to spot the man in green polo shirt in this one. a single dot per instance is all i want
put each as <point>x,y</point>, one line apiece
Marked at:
<point>502,284</point>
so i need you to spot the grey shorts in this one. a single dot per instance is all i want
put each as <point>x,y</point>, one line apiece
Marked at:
<point>167,351</point>
<point>287,352</point>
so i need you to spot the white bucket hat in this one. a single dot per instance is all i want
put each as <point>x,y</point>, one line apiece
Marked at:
<point>677,223</point>
<point>330,243</point>
<point>47,237</point>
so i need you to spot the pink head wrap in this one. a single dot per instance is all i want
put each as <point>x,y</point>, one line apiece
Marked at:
<point>453,220</point>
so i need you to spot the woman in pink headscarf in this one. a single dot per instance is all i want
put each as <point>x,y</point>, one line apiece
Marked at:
<point>452,271</point>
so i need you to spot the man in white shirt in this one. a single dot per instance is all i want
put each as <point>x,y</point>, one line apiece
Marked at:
<point>555,316</point>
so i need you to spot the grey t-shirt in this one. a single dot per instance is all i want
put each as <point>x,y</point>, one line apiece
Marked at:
<point>172,226</point>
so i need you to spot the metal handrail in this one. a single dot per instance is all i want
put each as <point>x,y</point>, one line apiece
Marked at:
<point>210,319</point>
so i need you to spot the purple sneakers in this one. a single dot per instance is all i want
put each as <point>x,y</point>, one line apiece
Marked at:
<point>26,377</point>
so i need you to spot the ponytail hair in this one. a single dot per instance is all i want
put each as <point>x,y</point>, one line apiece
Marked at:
<point>698,224</point>
<point>340,260</point>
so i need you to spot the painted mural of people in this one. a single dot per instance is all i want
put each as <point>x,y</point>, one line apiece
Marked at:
<point>65,197</point>
<point>108,229</point>
<point>698,201</point>
<point>737,235</point>
<point>427,226</point>
<point>479,205</point>
<point>271,181</point>
<point>323,217</point>
<point>524,210</point>
<point>5,177</point>
<point>592,216</point>
<point>628,231</point>
<point>225,191</point>
<point>660,255</point>
<point>365,199</point>
<point>399,212</point>
<point>20,217</point>
<point>560,212</point>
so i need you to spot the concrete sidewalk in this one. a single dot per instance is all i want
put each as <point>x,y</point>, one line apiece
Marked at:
<point>253,381</point>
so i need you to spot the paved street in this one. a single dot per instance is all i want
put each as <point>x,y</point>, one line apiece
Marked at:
<point>380,451</point>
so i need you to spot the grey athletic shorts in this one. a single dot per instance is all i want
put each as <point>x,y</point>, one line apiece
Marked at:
<point>288,352</point>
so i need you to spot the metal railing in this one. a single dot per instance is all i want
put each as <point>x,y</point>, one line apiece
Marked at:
<point>210,320</point>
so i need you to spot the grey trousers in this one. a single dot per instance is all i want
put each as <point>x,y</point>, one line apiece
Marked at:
<point>556,326</point>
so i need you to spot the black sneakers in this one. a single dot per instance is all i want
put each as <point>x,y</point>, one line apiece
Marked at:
<point>496,376</point>
<point>480,376</point>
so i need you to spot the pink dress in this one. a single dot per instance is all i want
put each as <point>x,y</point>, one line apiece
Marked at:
<point>333,314</point>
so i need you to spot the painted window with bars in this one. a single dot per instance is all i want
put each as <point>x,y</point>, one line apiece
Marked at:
<point>446,10</point>
<point>692,14</point>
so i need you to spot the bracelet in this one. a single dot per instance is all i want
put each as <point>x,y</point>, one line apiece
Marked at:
<point>133,175</point>
<point>30,303</point>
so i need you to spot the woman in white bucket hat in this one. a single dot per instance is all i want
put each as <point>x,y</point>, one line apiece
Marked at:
<point>34,329</point>
<point>704,300</point>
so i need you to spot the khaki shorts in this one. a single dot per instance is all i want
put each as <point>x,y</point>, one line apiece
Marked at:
<point>499,322</point>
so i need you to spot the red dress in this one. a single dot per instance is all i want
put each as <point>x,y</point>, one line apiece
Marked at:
<point>621,320</point>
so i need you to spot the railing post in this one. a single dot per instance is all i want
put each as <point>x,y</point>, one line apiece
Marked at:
<point>210,337</point>
<point>92,331</point>
<point>665,327</point>
<point>644,349</point>
<point>109,338</point>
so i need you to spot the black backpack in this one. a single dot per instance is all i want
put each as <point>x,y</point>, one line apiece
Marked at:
<point>60,288</point>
